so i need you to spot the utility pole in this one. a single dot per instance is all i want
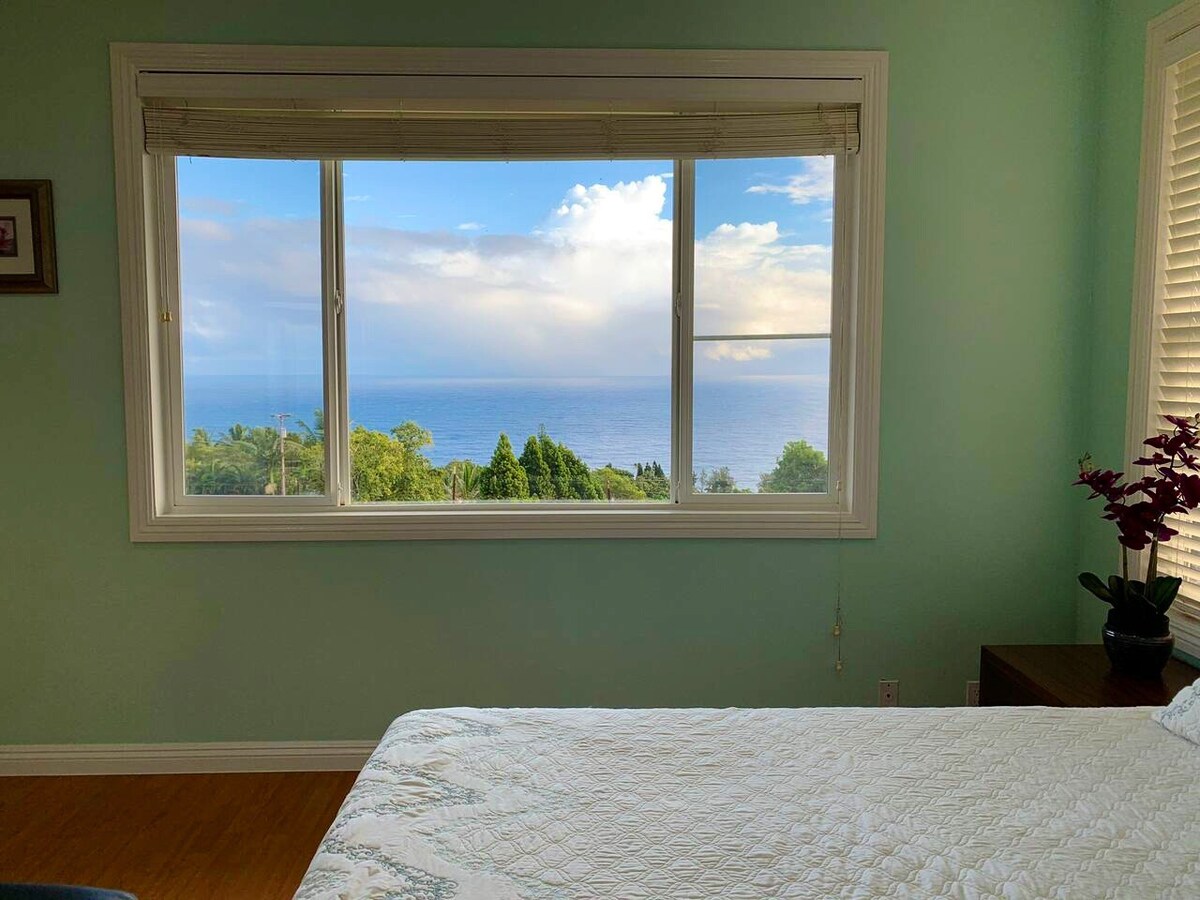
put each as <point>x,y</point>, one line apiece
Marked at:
<point>282,419</point>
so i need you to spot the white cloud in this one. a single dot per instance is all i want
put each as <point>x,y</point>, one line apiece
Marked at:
<point>724,350</point>
<point>813,183</point>
<point>358,198</point>
<point>471,226</point>
<point>749,281</point>
<point>627,213</point>
<point>588,293</point>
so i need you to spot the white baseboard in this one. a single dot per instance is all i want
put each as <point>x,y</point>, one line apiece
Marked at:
<point>199,758</point>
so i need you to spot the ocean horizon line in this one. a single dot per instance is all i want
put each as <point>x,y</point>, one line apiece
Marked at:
<point>505,379</point>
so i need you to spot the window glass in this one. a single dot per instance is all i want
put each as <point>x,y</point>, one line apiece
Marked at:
<point>764,247</point>
<point>509,330</point>
<point>251,332</point>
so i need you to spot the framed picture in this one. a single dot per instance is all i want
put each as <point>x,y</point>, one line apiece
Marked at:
<point>27,264</point>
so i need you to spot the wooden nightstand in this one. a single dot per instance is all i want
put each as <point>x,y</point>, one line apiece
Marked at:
<point>1070,675</point>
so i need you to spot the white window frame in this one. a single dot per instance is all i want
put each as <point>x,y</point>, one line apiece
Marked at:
<point>148,247</point>
<point>1171,37</point>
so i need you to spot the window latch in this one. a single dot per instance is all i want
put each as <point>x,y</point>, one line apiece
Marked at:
<point>165,316</point>
<point>338,306</point>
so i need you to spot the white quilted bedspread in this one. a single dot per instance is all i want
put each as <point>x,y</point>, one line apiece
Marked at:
<point>632,804</point>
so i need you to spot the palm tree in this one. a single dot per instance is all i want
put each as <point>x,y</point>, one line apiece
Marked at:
<point>254,456</point>
<point>463,479</point>
<point>315,433</point>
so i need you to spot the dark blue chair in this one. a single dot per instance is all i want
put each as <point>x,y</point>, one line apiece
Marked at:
<point>59,892</point>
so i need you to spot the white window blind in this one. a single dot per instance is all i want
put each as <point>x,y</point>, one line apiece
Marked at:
<point>1175,382</point>
<point>795,129</point>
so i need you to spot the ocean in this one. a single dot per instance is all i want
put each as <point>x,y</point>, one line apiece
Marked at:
<point>741,423</point>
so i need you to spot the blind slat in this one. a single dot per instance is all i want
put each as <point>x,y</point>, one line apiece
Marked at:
<point>812,129</point>
<point>1176,390</point>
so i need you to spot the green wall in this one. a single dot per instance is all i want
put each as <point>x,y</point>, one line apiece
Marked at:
<point>990,205</point>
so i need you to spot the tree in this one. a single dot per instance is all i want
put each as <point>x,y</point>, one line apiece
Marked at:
<point>220,467</point>
<point>504,478</point>
<point>392,467</point>
<point>652,481</point>
<point>536,471</point>
<point>720,481</point>
<point>616,484</point>
<point>463,479</point>
<point>375,466</point>
<point>580,484</point>
<point>314,433</point>
<point>307,450</point>
<point>800,469</point>
<point>560,475</point>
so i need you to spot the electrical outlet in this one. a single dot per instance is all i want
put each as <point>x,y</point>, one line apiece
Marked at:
<point>889,692</point>
<point>972,693</point>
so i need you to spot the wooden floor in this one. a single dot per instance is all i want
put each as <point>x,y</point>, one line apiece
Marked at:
<point>163,837</point>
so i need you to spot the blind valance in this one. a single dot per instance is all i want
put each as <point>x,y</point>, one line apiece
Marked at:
<point>802,129</point>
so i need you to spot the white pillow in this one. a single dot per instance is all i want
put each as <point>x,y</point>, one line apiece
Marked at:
<point>1182,715</point>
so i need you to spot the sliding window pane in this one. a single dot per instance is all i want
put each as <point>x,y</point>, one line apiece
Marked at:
<point>764,242</point>
<point>763,289</point>
<point>761,417</point>
<point>509,330</point>
<point>250,314</point>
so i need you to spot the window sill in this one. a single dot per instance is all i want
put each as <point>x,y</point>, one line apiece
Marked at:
<point>383,525</point>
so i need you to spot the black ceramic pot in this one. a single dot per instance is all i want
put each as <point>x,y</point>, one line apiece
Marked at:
<point>1139,657</point>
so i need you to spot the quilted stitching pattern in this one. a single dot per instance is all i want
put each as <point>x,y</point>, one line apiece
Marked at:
<point>1182,715</point>
<point>633,804</point>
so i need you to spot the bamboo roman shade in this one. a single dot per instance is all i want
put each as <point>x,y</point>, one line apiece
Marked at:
<point>1176,366</point>
<point>460,132</point>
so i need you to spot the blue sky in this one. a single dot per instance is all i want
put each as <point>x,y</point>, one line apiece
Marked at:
<point>502,269</point>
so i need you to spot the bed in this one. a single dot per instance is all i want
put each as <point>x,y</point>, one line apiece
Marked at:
<point>632,804</point>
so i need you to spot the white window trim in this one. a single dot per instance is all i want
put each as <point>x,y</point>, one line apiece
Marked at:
<point>1170,37</point>
<point>148,269</point>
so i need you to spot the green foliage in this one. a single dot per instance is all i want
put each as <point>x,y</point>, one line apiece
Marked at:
<point>251,461</point>
<point>504,478</point>
<point>616,484</point>
<point>800,469</point>
<point>581,484</point>
<point>652,481</point>
<point>537,473</point>
<point>463,479</point>
<point>1137,608</point>
<point>719,481</point>
<point>392,467</point>
<point>560,475</point>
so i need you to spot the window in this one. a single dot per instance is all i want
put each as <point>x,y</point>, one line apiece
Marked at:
<point>1165,353</point>
<point>761,325</point>
<point>539,296</point>
<point>525,299</point>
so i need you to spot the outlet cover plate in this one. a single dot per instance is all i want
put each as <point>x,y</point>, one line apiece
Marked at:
<point>889,692</point>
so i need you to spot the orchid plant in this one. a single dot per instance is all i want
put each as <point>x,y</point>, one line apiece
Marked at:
<point>1140,509</point>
